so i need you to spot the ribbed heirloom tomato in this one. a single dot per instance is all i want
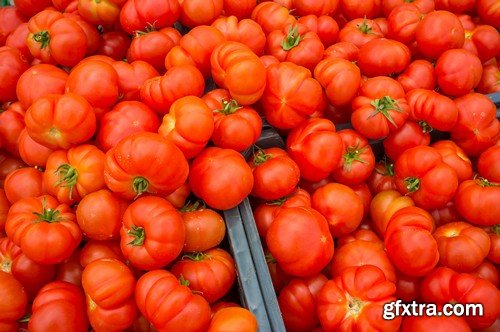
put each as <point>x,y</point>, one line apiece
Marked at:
<point>272,16</point>
<point>246,31</point>
<point>14,67</point>
<point>105,12</point>
<point>131,77</point>
<point>476,200</point>
<point>24,182</point>
<point>14,302</point>
<point>418,74</point>
<point>137,15</point>
<point>205,228</point>
<point>383,56</point>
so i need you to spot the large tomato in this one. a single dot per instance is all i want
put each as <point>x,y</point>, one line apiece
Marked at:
<point>487,164</point>
<point>233,319</point>
<point>137,15</point>
<point>437,110</point>
<point>60,121</point>
<point>476,200</point>
<point>160,92</point>
<point>455,157</point>
<point>91,32</point>
<point>13,66</point>
<point>477,127</point>
<point>131,77</point>
<point>409,242</point>
<point>323,7</point>
<point>56,39</point>
<point>14,302</point>
<point>199,12</point>
<point>72,174</point>
<point>382,178</point>
<point>300,241</point>
<point>189,125</point>
<point>32,153</point>
<point>105,13</point>
<point>272,16</point>
<point>487,271</point>
<point>94,250</point>
<point>325,26</point>
<point>340,205</point>
<point>489,12</point>
<point>246,31</point>
<point>360,31</point>
<point>4,210</point>
<point>58,307</point>
<point>221,177</point>
<point>114,44</point>
<point>297,302</point>
<point>403,21</point>
<point>170,306</point>
<point>422,174</point>
<point>353,9</point>
<point>7,165</point>
<point>343,50</point>
<point>484,42</point>
<point>109,288</point>
<point>410,135</point>
<point>462,247</point>
<point>23,182</point>
<point>10,19</point>
<point>383,56</point>
<point>145,163</point>
<point>205,228</point>
<point>152,234</point>
<point>11,126</point>
<point>384,205</point>
<point>458,72</point>
<point>354,301</point>
<point>17,39</point>
<point>418,75</point>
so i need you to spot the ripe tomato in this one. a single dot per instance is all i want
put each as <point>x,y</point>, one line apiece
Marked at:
<point>32,153</point>
<point>14,304</point>
<point>176,303</point>
<point>477,127</point>
<point>483,41</point>
<point>179,196</point>
<point>7,165</point>
<point>272,16</point>
<point>316,148</point>
<point>425,6</point>
<point>476,201</point>
<point>205,228</point>
<point>145,163</point>
<point>91,32</point>
<point>341,79</point>
<point>395,55</point>
<point>455,157</point>
<point>55,39</point>
<point>408,288</point>
<point>323,7</point>
<point>462,247</point>
<point>238,8</point>
<point>360,234</point>
<point>489,79</point>
<point>384,205</point>
<point>29,8</point>
<point>344,303</point>
<point>105,13</point>
<point>325,27</point>
<point>291,95</point>
<point>4,210</point>
<point>343,50</point>
<point>417,171</point>
<point>13,67</point>
<point>488,12</point>
<point>360,31</point>
<point>353,9</point>
<point>195,48</point>
<point>48,79</point>
<point>438,323</point>
<point>275,174</point>
<point>300,230</point>
<point>437,110</point>
<point>114,44</point>
<point>410,135</point>
<point>296,44</point>
<point>438,32</point>
<point>152,234</point>
<point>160,92</point>
<point>109,288</point>
<point>95,250</point>
<point>23,182</point>
<point>131,77</point>
<point>71,270</point>
<point>11,126</point>
<point>418,75</point>
<point>297,302</point>
<point>487,271</point>
<point>10,19</point>
<point>221,177</point>
<point>189,125</point>
<point>458,63</point>
<point>137,15</point>
<point>382,178</point>
<point>99,215</point>
<point>341,206</point>
<point>403,21</point>
<point>233,319</point>
<point>17,39</point>
<point>358,160</point>
<point>487,164</point>
<point>246,31</point>
<point>197,12</point>
<point>409,242</point>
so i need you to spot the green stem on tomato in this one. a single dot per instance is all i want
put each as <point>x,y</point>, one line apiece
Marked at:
<point>140,185</point>
<point>229,107</point>
<point>47,215</point>
<point>43,38</point>
<point>352,155</point>
<point>292,39</point>
<point>139,236</point>
<point>261,157</point>
<point>383,106</point>
<point>68,176</point>
<point>412,184</point>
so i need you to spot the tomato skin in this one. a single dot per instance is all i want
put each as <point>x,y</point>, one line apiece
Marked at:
<point>297,302</point>
<point>462,247</point>
<point>488,83</point>
<point>17,40</point>
<point>29,8</point>
<point>344,303</point>
<point>159,93</point>
<point>315,164</point>
<point>233,319</point>
<point>179,196</point>
<point>205,229</point>
<point>477,127</point>
<point>131,77</point>
<point>410,135</point>
<point>340,78</point>
<point>246,31</point>
<point>221,177</point>
<point>325,27</point>
<point>114,44</point>
<point>7,165</point>
<point>189,125</point>
<point>240,9</point>
<point>452,323</point>
<point>13,66</point>
<point>196,12</point>
<point>408,288</point>
<point>341,206</point>
<point>487,271</point>
<point>275,174</point>
<point>396,57</point>
<point>4,210</point>
<point>11,18</point>
<point>11,126</point>
<point>475,201</point>
<point>70,270</point>
<point>402,23</point>
<point>384,205</point>
<point>343,50</point>
<point>360,234</point>
<point>353,9</point>
<point>455,157</point>
<point>304,7</point>
<point>454,64</point>
<point>382,178</point>
<point>105,13</point>
<point>95,250</point>
<point>488,12</point>
<point>177,303</point>
<point>272,16</point>
<point>137,15</point>
<point>358,160</point>
<point>23,182</point>
<point>154,239</point>
<point>14,308</point>
<point>32,153</point>
<point>360,31</point>
<point>125,171</point>
<point>306,223</point>
<point>487,164</point>
<point>418,75</point>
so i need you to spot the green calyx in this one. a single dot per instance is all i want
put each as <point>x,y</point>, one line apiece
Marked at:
<point>229,107</point>
<point>139,236</point>
<point>270,259</point>
<point>485,183</point>
<point>191,207</point>
<point>383,106</point>
<point>261,157</point>
<point>68,176</point>
<point>47,215</point>
<point>388,169</point>
<point>183,281</point>
<point>495,229</point>
<point>196,256</point>
<point>412,184</point>
<point>355,306</point>
<point>365,28</point>
<point>426,128</point>
<point>140,185</point>
<point>43,38</point>
<point>292,39</point>
<point>353,154</point>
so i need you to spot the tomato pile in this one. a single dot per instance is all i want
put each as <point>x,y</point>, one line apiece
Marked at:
<point>122,134</point>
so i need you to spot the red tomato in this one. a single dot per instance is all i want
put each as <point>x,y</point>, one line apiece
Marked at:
<point>355,300</point>
<point>360,31</point>
<point>438,32</point>
<point>297,302</point>
<point>221,177</point>
<point>4,209</point>
<point>246,31</point>
<point>177,303</point>
<point>160,92</point>
<point>438,111</point>
<point>483,41</point>
<point>11,126</point>
<point>383,56</point>
<point>409,242</point>
<point>10,19</point>
<point>487,271</point>
<point>343,50</point>
<point>114,44</point>
<point>341,206</point>
<point>488,164</point>
<point>95,250</point>
<point>477,127</point>
<point>71,270</point>
<point>238,8</point>
<point>382,178</point>
<point>323,7</point>
<point>384,205</point>
<point>458,72</point>
<point>403,21</point>
<point>32,153</point>
<point>418,75</point>
<point>105,13</point>
<point>131,77</point>
<point>90,31</point>
<point>272,16</point>
<point>476,200</point>
<point>291,95</point>
<point>99,215</point>
<point>205,228</point>
<point>456,158</point>
<point>137,15</point>
<point>179,196</point>
<point>423,323</point>
<point>198,12</point>
<point>417,172</point>
<point>446,214</point>
<point>233,319</point>
<point>358,160</point>
<point>7,165</point>
<point>341,79</point>
<point>17,39</point>
<point>488,12</point>
<point>425,6</point>
<point>13,66</point>
<point>145,163</point>
<point>325,26</point>
<point>29,8</point>
<point>408,288</point>
<point>316,148</point>
<point>189,125</point>
<point>410,135</point>
<point>353,9</point>
<point>275,174</point>
<point>22,183</point>
<point>489,80</point>
<point>360,234</point>
<point>300,241</point>
<point>14,304</point>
